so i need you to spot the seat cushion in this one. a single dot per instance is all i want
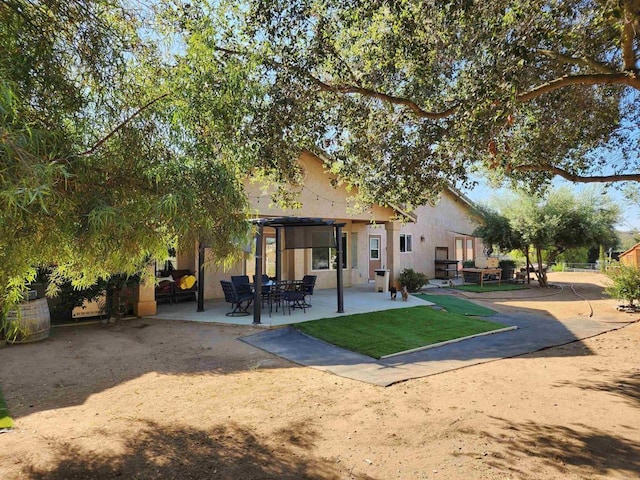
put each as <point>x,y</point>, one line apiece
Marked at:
<point>186,282</point>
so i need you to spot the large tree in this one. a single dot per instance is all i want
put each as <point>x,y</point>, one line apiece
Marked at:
<point>407,97</point>
<point>103,164</point>
<point>555,223</point>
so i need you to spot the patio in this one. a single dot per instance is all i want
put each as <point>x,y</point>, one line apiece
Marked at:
<point>357,299</point>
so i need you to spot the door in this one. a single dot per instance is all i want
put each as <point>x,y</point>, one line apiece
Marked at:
<point>375,255</point>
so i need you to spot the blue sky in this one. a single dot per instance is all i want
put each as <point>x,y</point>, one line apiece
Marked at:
<point>630,213</point>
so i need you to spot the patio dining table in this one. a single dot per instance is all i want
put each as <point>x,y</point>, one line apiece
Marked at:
<point>275,293</point>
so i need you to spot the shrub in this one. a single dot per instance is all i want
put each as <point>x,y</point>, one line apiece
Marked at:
<point>626,283</point>
<point>507,264</point>
<point>469,264</point>
<point>412,280</point>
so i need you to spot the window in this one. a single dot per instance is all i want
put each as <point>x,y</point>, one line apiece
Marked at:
<point>406,243</point>
<point>374,249</point>
<point>465,249</point>
<point>470,253</point>
<point>324,258</point>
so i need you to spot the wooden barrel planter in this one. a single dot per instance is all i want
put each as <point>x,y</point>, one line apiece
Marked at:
<point>33,319</point>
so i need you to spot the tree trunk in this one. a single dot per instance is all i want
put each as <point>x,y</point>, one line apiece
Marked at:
<point>526,256</point>
<point>542,273</point>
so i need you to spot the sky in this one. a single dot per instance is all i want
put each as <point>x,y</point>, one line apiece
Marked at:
<point>630,218</point>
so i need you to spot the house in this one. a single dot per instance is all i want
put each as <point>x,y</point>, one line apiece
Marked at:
<point>631,257</point>
<point>377,238</point>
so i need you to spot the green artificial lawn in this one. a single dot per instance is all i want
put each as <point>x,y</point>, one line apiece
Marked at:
<point>5,420</point>
<point>492,287</point>
<point>377,334</point>
<point>457,305</point>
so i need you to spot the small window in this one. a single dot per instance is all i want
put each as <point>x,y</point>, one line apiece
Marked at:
<point>374,249</point>
<point>406,243</point>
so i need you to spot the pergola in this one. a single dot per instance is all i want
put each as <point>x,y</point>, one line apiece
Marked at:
<point>293,225</point>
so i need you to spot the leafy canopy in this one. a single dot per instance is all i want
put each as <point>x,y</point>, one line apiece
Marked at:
<point>556,223</point>
<point>407,97</point>
<point>107,155</point>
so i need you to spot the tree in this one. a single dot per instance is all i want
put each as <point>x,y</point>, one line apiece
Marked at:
<point>101,165</point>
<point>406,97</point>
<point>559,222</point>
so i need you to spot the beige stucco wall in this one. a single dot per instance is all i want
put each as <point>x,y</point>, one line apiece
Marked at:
<point>320,199</point>
<point>439,225</point>
<point>318,196</point>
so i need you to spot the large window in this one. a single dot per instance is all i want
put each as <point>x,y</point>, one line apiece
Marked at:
<point>465,249</point>
<point>324,258</point>
<point>406,243</point>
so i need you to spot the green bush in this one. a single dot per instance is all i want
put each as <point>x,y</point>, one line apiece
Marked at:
<point>412,280</point>
<point>506,264</point>
<point>469,264</point>
<point>626,283</point>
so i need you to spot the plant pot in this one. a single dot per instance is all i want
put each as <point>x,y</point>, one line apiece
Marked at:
<point>33,321</point>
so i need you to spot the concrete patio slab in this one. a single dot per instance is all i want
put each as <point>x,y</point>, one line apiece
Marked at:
<point>357,299</point>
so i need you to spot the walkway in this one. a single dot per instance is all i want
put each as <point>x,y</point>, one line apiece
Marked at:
<point>536,331</point>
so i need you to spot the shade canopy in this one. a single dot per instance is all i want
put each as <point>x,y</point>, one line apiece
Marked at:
<point>300,232</point>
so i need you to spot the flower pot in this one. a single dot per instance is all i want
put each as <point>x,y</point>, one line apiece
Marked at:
<point>33,320</point>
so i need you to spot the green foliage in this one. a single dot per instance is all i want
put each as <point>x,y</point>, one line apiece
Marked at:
<point>574,255</point>
<point>626,283</point>
<point>496,230</point>
<point>469,264</point>
<point>551,225</point>
<point>111,151</point>
<point>412,279</point>
<point>5,420</point>
<point>402,95</point>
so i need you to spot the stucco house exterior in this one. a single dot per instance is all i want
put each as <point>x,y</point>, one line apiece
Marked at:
<point>377,238</point>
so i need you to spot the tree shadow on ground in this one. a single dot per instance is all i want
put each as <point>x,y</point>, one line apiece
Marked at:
<point>222,451</point>
<point>626,387</point>
<point>564,449</point>
<point>74,363</point>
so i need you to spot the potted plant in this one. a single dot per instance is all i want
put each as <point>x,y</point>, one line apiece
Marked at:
<point>27,320</point>
<point>508,267</point>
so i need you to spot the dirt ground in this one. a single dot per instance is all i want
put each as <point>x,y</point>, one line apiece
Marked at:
<point>165,399</point>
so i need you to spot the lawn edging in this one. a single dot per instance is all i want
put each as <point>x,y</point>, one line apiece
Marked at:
<point>447,342</point>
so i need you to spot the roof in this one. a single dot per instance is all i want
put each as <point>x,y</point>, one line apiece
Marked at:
<point>635,247</point>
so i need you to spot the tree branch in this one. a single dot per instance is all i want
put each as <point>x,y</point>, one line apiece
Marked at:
<point>414,107</point>
<point>345,89</point>
<point>545,167</point>
<point>625,78</point>
<point>629,32</point>
<point>584,61</point>
<point>101,142</point>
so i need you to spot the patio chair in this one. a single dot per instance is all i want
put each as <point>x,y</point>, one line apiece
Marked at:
<point>275,295</point>
<point>308,284</point>
<point>232,296</point>
<point>293,296</point>
<point>241,283</point>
